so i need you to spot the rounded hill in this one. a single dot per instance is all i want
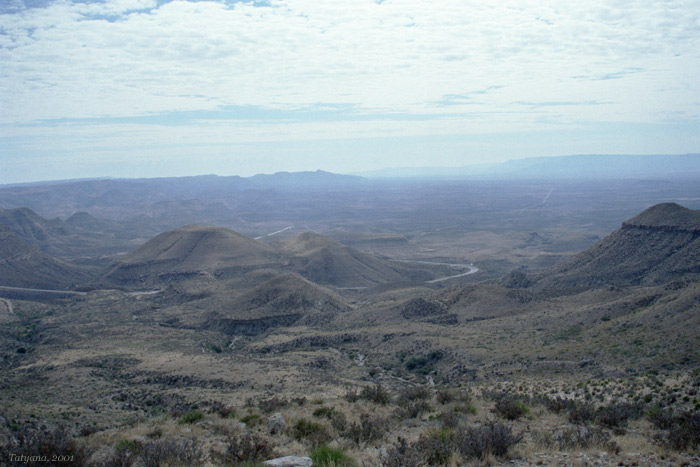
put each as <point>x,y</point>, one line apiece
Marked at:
<point>667,215</point>
<point>191,250</point>
<point>326,261</point>
<point>22,265</point>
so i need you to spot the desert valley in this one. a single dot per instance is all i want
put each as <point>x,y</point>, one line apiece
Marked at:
<point>520,317</point>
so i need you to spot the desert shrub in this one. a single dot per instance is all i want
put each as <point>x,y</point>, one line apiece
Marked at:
<point>351,395</point>
<point>574,437</point>
<point>55,441</point>
<point>413,393</point>
<point>183,451</point>
<point>684,432</point>
<point>87,430</point>
<point>376,394</point>
<point>616,416</point>
<point>509,408</point>
<point>190,417</point>
<point>313,432</point>
<point>222,410</point>
<point>580,412</point>
<point>246,447</point>
<point>419,365</point>
<point>467,409</point>
<point>452,418</point>
<point>32,442</point>
<point>121,458</point>
<point>339,421</point>
<point>401,454</point>
<point>273,404</point>
<point>436,447</point>
<point>155,433</point>
<point>490,438</point>
<point>370,428</point>
<point>662,419</point>
<point>555,404</point>
<point>323,456</point>
<point>445,396</point>
<point>412,409</point>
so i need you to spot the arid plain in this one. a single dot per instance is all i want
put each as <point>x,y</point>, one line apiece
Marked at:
<point>549,321</point>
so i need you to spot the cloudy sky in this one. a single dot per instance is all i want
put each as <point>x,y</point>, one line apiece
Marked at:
<point>129,88</point>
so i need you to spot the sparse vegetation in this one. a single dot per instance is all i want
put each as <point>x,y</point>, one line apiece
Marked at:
<point>184,365</point>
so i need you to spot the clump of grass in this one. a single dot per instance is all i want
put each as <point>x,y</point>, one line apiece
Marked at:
<point>324,412</point>
<point>574,437</point>
<point>324,456</point>
<point>190,417</point>
<point>127,445</point>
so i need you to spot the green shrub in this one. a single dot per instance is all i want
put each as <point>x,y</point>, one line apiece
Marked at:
<point>252,419</point>
<point>314,432</point>
<point>323,456</point>
<point>127,445</point>
<point>510,409</point>
<point>324,412</point>
<point>191,417</point>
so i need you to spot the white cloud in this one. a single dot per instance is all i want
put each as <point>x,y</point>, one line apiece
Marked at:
<point>638,62</point>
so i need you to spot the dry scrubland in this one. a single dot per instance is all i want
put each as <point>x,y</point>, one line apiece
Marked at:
<point>575,343</point>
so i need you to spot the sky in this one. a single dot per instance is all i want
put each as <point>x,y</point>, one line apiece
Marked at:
<point>147,88</point>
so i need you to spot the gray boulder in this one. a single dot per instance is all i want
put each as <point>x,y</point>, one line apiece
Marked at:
<point>276,423</point>
<point>290,461</point>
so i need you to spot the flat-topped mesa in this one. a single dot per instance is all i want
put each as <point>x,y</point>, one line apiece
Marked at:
<point>659,245</point>
<point>666,216</point>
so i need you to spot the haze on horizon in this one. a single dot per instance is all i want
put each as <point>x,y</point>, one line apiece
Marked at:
<point>145,88</point>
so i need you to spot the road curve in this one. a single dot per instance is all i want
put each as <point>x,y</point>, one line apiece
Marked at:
<point>472,269</point>
<point>25,289</point>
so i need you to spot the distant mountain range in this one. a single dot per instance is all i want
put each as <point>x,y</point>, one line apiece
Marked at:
<point>594,166</point>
